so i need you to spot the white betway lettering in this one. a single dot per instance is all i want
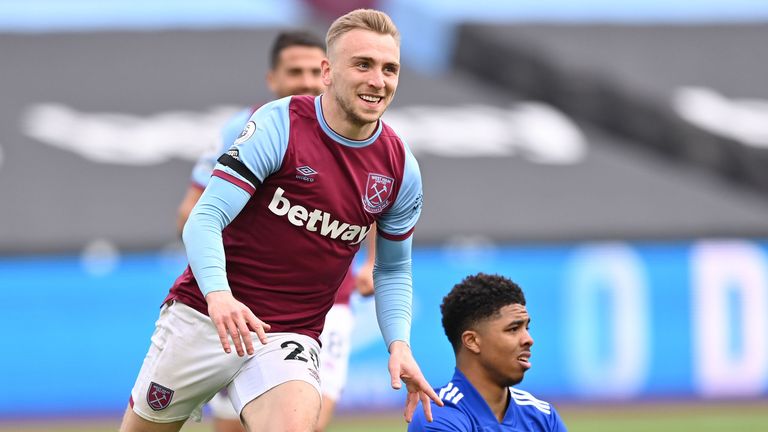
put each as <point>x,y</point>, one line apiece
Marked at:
<point>332,227</point>
<point>298,215</point>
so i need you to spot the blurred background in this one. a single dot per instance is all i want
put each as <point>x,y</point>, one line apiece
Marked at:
<point>610,157</point>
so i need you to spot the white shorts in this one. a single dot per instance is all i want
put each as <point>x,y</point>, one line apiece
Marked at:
<point>186,365</point>
<point>334,362</point>
<point>334,356</point>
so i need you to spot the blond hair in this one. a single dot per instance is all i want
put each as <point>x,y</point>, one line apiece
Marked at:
<point>365,19</point>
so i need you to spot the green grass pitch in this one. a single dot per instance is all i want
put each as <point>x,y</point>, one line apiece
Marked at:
<point>746,416</point>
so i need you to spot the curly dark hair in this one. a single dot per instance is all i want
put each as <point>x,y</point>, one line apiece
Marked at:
<point>288,39</point>
<point>476,298</point>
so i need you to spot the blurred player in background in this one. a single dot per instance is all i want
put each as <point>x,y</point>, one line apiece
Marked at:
<point>273,236</point>
<point>487,323</point>
<point>295,60</point>
<point>294,70</point>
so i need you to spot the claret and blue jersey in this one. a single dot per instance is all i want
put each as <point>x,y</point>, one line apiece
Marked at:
<point>309,198</point>
<point>201,174</point>
<point>465,410</point>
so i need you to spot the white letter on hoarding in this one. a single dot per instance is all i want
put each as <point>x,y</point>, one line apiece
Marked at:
<point>720,269</point>
<point>613,271</point>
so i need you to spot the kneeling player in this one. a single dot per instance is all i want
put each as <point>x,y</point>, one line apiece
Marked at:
<point>486,321</point>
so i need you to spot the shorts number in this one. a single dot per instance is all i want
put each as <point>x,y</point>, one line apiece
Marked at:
<point>295,354</point>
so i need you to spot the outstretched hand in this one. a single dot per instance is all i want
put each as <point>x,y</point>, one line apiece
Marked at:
<point>402,366</point>
<point>234,320</point>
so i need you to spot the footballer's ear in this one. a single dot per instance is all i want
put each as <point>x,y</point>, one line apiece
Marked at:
<point>471,341</point>
<point>325,72</point>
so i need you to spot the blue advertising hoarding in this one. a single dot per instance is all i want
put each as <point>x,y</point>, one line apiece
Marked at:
<point>609,321</point>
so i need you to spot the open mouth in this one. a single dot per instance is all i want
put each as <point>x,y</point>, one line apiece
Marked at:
<point>371,99</point>
<point>525,360</point>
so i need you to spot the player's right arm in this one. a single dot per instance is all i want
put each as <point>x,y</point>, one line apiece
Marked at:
<point>219,204</point>
<point>257,153</point>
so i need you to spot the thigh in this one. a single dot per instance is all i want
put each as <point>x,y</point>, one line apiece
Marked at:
<point>288,363</point>
<point>292,406</point>
<point>334,354</point>
<point>184,367</point>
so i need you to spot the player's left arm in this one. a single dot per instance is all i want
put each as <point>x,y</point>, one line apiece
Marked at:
<point>256,154</point>
<point>393,285</point>
<point>394,292</point>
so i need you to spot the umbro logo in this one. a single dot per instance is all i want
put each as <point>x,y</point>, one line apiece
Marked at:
<point>305,173</point>
<point>306,170</point>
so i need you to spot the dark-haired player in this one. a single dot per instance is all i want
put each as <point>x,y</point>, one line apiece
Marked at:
<point>486,322</point>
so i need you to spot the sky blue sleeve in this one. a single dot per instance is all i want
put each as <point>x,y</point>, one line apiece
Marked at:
<point>262,143</point>
<point>220,203</point>
<point>393,290</point>
<point>398,222</point>
<point>203,168</point>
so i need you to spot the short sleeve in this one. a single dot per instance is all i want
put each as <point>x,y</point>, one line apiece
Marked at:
<point>398,222</point>
<point>260,147</point>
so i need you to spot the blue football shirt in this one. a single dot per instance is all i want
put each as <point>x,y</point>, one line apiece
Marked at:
<point>466,411</point>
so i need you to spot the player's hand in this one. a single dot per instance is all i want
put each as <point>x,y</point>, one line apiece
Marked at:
<point>234,320</point>
<point>402,366</point>
<point>364,280</point>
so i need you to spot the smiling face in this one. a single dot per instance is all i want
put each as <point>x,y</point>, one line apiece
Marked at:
<point>502,344</point>
<point>361,74</point>
<point>297,72</point>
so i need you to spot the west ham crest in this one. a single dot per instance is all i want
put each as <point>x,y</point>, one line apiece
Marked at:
<point>378,189</point>
<point>158,397</point>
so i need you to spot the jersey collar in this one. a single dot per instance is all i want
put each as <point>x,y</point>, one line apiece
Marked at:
<point>338,138</point>
<point>480,406</point>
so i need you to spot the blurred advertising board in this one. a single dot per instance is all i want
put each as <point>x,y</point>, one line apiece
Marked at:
<point>610,321</point>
